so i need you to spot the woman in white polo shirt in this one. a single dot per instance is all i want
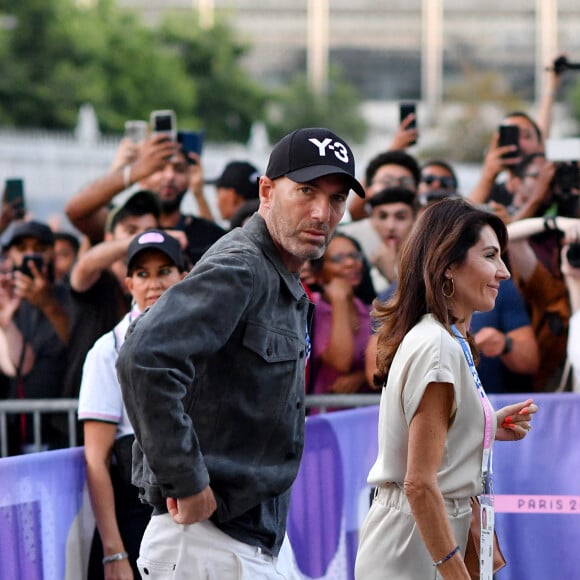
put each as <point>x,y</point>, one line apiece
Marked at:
<point>154,263</point>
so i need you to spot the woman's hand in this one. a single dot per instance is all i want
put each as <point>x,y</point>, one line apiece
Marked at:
<point>514,421</point>
<point>119,570</point>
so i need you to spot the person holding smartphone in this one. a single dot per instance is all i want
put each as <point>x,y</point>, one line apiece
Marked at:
<point>164,167</point>
<point>34,322</point>
<point>505,156</point>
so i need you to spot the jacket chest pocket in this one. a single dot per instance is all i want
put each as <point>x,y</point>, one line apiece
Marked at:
<point>272,345</point>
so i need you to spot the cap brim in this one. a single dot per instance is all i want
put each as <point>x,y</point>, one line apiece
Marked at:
<point>306,174</point>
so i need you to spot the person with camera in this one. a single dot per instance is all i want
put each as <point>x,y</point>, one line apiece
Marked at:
<point>163,166</point>
<point>502,157</point>
<point>34,323</point>
<point>534,252</point>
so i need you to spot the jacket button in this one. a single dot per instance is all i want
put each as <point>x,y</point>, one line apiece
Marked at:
<point>301,354</point>
<point>269,351</point>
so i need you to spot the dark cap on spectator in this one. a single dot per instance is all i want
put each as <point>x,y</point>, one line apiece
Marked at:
<point>307,154</point>
<point>141,203</point>
<point>241,176</point>
<point>156,240</point>
<point>32,229</point>
<point>394,195</point>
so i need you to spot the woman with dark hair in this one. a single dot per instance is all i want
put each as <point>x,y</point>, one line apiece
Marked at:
<point>342,321</point>
<point>436,425</point>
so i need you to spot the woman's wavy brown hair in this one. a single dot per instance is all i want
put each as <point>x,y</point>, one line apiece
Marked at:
<point>441,237</point>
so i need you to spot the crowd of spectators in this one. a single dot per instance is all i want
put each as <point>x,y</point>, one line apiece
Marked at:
<point>61,291</point>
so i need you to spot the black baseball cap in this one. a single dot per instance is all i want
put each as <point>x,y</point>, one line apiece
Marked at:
<point>156,240</point>
<point>142,202</point>
<point>31,229</point>
<point>241,176</point>
<point>307,154</point>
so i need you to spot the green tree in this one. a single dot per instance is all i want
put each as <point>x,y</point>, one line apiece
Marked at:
<point>298,106</point>
<point>61,55</point>
<point>229,101</point>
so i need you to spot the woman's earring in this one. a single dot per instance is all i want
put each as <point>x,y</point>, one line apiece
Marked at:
<point>449,293</point>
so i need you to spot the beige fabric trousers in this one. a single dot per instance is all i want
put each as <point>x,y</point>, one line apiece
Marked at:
<point>171,551</point>
<point>390,544</point>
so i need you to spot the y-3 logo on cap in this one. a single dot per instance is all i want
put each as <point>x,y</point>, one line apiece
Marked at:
<point>339,149</point>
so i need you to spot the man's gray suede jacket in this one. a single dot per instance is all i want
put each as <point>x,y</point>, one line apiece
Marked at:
<point>213,381</point>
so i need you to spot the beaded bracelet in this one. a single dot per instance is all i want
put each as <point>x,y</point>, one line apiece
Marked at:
<point>445,558</point>
<point>115,557</point>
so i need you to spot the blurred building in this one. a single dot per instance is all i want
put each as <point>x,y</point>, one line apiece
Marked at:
<point>386,48</point>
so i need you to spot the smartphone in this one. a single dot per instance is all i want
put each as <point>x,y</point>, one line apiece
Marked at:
<point>25,268</point>
<point>191,141</point>
<point>136,130</point>
<point>14,196</point>
<point>164,122</point>
<point>509,135</point>
<point>405,109</point>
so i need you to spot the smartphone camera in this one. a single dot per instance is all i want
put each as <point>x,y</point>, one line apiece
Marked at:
<point>14,196</point>
<point>191,141</point>
<point>136,130</point>
<point>163,122</point>
<point>509,135</point>
<point>406,109</point>
<point>38,261</point>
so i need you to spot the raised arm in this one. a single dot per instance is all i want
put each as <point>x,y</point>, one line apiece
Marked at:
<point>87,210</point>
<point>94,261</point>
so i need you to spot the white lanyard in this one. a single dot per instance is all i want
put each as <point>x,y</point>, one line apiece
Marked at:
<point>486,461</point>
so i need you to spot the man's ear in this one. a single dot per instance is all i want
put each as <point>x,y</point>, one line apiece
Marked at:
<point>266,187</point>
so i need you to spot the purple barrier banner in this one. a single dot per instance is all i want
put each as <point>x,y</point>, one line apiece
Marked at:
<point>537,482</point>
<point>44,516</point>
<point>46,523</point>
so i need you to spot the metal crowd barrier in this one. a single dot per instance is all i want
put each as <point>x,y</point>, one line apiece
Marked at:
<point>38,407</point>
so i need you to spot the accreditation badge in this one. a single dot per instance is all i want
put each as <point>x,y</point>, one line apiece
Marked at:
<point>487,519</point>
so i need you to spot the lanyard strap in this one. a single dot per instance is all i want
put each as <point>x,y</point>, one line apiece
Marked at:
<point>486,461</point>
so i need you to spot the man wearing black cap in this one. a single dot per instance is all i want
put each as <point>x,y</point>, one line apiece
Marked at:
<point>237,185</point>
<point>213,376</point>
<point>34,323</point>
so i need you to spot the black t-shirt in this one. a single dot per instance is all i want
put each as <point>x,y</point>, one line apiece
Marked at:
<point>94,313</point>
<point>201,234</point>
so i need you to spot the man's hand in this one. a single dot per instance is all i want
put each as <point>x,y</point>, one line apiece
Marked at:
<point>126,153</point>
<point>193,509</point>
<point>405,136</point>
<point>154,154</point>
<point>490,341</point>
